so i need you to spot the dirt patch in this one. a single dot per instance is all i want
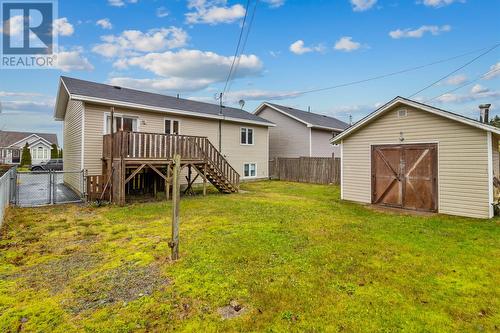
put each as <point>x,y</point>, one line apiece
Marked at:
<point>56,274</point>
<point>233,310</point>
<point>120,285</point>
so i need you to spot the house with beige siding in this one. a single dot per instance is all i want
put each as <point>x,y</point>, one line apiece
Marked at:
<point>300,133</point>
<point>152,123</point>
<point>414,156</point>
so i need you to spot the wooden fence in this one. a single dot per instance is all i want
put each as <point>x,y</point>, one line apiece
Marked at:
<point>317,170</point>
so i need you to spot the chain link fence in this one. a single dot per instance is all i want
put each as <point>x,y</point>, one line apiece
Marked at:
<point>47,188</point>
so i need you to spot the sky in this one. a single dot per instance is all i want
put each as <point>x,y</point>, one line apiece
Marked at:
<point>187,47</point>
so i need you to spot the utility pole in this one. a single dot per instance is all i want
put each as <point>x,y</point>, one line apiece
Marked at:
<point>176,198</point>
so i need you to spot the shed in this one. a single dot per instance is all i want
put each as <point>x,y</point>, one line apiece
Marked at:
<point>415,156</point>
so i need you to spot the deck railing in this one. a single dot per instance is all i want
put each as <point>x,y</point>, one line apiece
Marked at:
<point>146,146</point>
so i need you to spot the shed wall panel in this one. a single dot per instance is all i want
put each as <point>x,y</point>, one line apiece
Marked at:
<point>462,158</point>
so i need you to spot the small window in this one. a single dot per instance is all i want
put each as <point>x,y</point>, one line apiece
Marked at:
<point>171,127</point>
<point>246,136</point>
<point>402,113</point>
<point>250,170</point>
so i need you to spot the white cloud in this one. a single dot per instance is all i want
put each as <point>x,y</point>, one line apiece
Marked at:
<point>18,94</point>
<point>213,12</point>
<point>493,72</point>
<point>73,60</point>
<point>346,44</point>
<point>62,27</point>
<point>478,89</point>
<point>258,95</point>
<point>440,3</point>
<point>173,84</point>
<point>130,42</point>
<point>162,12</point>
<point>185,70</point>
<point>193,64</point>
<point>105,23</point>
<point>456,79</point>
<point>477,92</point>
<point>27,105</point>
<point>362,5</point>
<point>120,3</point>
<point>418,33</point>
<point>299,48</point>
<point>274,3</point>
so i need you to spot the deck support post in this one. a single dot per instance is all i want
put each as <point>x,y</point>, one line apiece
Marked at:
<point>176,197</point>
<point>167,183</point>
<point>205,179</point>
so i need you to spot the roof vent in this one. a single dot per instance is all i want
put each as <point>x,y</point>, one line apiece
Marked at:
<point>117,87</point>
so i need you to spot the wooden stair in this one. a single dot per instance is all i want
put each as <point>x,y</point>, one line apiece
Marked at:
<point>141,149</point>
<point>218,171</point>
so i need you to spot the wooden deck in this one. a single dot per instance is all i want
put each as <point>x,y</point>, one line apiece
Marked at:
<point>127,155</point>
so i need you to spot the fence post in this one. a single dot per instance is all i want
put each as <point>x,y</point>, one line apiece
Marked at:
<point>176,197</point>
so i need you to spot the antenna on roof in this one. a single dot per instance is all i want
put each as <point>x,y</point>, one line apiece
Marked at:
<point>178,96</point>
<point>350,119</point>
<point>242,103</point>
<point>309,108</point>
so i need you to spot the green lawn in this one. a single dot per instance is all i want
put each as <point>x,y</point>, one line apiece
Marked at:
<point>293,256</point>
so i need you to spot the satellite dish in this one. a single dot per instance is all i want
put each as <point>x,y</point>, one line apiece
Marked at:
<point>242,103</point>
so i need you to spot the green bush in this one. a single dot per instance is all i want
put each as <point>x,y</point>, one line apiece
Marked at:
<point>26,156</point>
<point>54,152</point>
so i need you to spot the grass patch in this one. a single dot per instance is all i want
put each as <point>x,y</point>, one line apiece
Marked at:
<point>292,256</point>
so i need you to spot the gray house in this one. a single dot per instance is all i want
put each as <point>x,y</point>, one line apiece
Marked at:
<point>300,133</point>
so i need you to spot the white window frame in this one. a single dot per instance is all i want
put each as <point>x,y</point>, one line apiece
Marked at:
<point>172,125</point>
<point>249,163</point>
<point>246,136</point>
<point>119,115</point>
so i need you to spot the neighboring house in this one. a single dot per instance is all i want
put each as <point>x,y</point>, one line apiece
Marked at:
<point>85,109</point>
<point>414,156</point>
<point>12,143</point>
<point>300,133</point>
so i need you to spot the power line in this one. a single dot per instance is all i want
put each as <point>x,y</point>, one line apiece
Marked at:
<point>456,70</point>
<point>237,46</point>
<point>464,84</point>
<point>231,79</point>
<point>378,77</point>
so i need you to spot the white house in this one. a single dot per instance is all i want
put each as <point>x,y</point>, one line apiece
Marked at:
<point>12,143</point>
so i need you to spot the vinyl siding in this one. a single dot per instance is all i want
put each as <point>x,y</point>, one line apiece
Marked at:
<point>462,159</point>
<point>321,146</point>
<point>290,138</point>
<point>72,136</point>
<point>238,154</point>
<point>153,122</point>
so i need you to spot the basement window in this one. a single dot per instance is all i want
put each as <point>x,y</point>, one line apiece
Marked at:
<point>250,170</point>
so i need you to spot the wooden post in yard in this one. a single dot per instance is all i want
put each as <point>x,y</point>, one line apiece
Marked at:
<point>176,198</point>
<point>205,179</point>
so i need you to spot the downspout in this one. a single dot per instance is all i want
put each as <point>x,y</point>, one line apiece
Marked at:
<point>220,123</point>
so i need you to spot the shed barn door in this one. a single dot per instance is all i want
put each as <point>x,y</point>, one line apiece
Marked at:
<point>405,176</point>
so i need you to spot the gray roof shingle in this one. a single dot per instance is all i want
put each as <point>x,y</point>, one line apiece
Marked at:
<point>312,118</point>
<point>120,94</point>
<point>8,137</point>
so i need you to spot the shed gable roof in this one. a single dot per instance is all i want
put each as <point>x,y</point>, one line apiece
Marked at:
<point>308,118</point>
<point>103,93</point>
<point>421,106</point>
